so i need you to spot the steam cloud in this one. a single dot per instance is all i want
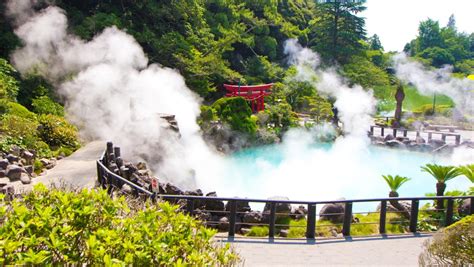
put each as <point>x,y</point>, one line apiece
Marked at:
<point>438,81</point>
<point>114,94</point>
<point>355,105</point>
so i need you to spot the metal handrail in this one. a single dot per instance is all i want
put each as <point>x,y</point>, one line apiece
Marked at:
<point>108,179</point>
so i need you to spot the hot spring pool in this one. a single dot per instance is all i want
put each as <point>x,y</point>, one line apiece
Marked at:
<point>321,171</point>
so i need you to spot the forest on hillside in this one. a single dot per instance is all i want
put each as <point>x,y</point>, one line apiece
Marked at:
<point>212,42</point>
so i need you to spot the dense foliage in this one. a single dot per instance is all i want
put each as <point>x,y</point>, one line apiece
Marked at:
<point>57,227</point>
<point>452,246</point>
<point>43,130</point>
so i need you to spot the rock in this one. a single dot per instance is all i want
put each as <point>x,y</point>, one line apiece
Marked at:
<point>284,232</point>
<point>141,166</point>
<point>223,225</point>
<point>127,189</point>
<point>29,169</point>
<point>60,157</point>
<point>426,147</point>
<point>465,207</point>
<point>420,140</point>
<point>389,137</point>
<point>395,143</point>
<point>2,173</point>
<point>4,181</point>
<point>245,231</point>
<point>25,178</point>
<point>202,215</point>
<point>4,164</point>
<point>51,164</point>
<point>280,207</point>
<point>196,192</point>
<point>252,217</point>
<point>14,172</point>
<point>333,212</point>
<point>242,206</point>
<point>7,190</point>
<point>44,162</point>
<point>299,213</point>
<point>28,155</point>
<point>171,189</point>
<point>12,158</point>
<point>143,172</point>
<point>213,205</point>
<point>402,139</point>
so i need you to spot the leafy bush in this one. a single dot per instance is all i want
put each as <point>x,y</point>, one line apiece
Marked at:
<point>57,132</point>
<point>17,126</point>
<point>44,105</point>
<point>452,246</point>
<point>236,112</point>
<point>427,110</point>
<point>55,227</point>
<point>8,84</point>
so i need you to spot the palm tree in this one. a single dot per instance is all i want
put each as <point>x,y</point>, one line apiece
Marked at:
<point>442,174</point>
<point>468,171</point>
<point>395,182</point>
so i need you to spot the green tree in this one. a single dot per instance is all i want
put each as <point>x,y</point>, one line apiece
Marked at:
<point>442,174</point>
<point>374,43</point>
<point>338,33</point>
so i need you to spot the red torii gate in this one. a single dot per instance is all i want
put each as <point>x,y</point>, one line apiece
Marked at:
<point>253,93</point>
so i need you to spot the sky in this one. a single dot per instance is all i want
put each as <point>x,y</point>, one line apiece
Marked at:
<point>396,21</point>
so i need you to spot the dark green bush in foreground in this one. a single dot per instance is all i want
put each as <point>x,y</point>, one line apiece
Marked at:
<point>453,246</point>
<point>89,227</point>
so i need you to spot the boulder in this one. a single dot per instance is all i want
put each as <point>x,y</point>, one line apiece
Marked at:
<point>389,137</point>
<point>223,225</point>
<point>15,150</point>
<point>283,208</point>
<point>213,205</point>
<point>333,212</point>
<point>25,178</point>
<point>127,189</point>
<point>420,140</point>
<point>2,173</point>
<point>29,169</point>
<point>299,213</point>
<point>395,144</point>
<point>141,165</point>
<point>202,215</point>
<point>253,217</point>
<point>465,207</point>
<point>284,232</point>
<point>12,158</point>
<point>4,164</point>
<point>402,139</point>
<point>28,155</point>
<point>171,189</point>
<point>14,172</point>
<point>242,206</point>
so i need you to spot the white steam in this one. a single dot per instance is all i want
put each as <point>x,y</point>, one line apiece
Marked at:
<point>437,81</point>
<point>115,95</point>
<point>355,105</point>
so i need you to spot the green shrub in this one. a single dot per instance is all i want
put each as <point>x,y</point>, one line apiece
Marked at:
<point>236,112</point>
<point>56,227</point>
<point>8,83</point>
<point>44,105</point>
<point>20,111</point>
<point>452,246</point>
<point>427,110</point>
<point>259,231</point>
<point>17,126</point>
<point>57,132</point>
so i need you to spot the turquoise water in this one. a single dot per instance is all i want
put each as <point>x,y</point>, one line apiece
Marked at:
<point>322,171</point>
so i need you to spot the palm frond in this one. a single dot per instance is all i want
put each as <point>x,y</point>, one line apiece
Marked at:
<point>468,171</point>
<point>441,173</point>
<point>395,182</point>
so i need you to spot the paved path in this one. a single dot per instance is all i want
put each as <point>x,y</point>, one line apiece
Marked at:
<point>363,251</point>
<point>77,170</point>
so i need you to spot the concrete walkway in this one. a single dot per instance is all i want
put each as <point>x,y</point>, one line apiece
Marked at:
<point>358,251</point>
<point>77,171</point>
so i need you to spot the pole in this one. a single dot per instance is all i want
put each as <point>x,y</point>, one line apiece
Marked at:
<point>434,102</point>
